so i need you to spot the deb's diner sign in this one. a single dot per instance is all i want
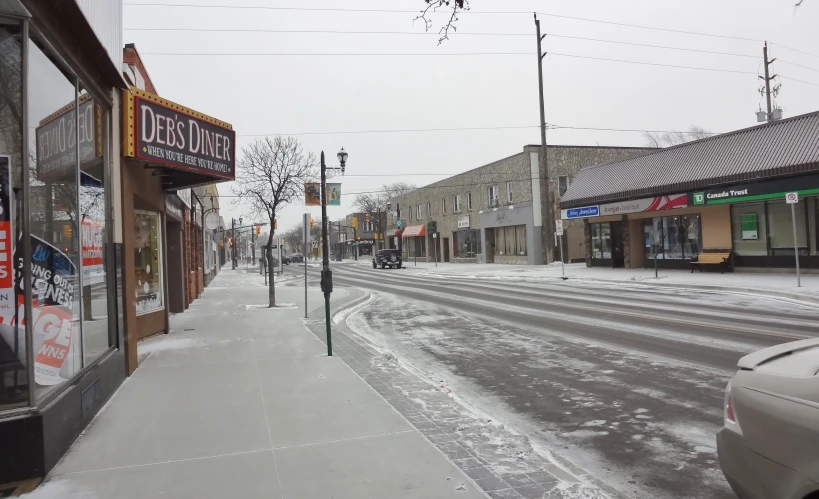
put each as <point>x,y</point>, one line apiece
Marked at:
<point>64,134</point>
<point>174,136</point>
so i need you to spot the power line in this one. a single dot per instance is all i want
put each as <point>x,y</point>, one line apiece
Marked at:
<point>420,130</point>
<point>470,12</point>
<point>425,33</point>
<point>643,63</point>
<point>795,50</point>
<point>800,81</point>
<point>798,65</point>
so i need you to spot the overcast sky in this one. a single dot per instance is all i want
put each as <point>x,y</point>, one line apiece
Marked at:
<point>342,93</point>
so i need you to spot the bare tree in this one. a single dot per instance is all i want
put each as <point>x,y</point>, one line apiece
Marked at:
<point>376,202</point>
<point>452,7</point>
<point>673,138</point>
<point>272,173</point>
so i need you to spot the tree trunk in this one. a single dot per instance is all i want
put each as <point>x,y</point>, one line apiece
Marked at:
<point>271,273</point>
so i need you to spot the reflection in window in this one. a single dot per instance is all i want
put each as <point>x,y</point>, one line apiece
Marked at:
<point>147,262</point>
<point>600,240</point>
<point>14,383</point>
<point>673,238</point>
<point>780,227</point>
<point>466,243</point>
<point>55,222</point>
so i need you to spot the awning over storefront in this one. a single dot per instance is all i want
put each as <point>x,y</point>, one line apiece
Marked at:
<point>415,231</point>
<point>786,147</point>
<point>185,147</point>
<point>398,232</point>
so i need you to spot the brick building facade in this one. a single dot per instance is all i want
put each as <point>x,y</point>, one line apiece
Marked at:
<point>494,213</point>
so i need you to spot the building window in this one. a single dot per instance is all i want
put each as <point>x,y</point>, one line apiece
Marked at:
<point>443,206</point>
<point>780,228</point>
<point>148,262</point>
<point>493,195</point>
<point>466,243</point>
<point>456,203</point>
<point>469,201</point>
<point>673,238</point>
<point>418,212</point>
<point>562,184</point>
<point>410,213</point>
<point>510,241</point>
<point>508,192</point>
<point>429,209</point>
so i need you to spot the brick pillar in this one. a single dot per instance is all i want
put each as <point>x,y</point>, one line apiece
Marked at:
<point>186,236</point>
<point>587,238</point>
<point>626,242</point>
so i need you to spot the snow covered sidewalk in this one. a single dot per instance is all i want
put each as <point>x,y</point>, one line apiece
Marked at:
<point>239,401</point>
<point>777,284</point>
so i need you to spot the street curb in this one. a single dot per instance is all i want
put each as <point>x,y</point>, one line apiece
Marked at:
<point>768,293</point>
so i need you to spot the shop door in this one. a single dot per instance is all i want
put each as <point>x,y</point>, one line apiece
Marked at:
<point>490,246</point>
<point>617,256</point>
<point>446,249</point>
<point>176,270</point>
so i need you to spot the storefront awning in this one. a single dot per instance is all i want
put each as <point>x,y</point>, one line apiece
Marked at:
<point>185,147</point>
<point>415,231</point>
<point>398,232</point>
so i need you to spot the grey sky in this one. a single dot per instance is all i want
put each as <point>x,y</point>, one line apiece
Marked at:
<point>281,95</point>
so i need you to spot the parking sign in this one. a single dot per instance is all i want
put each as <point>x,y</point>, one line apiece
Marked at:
<point>559,227</point>
<point>792,197</point>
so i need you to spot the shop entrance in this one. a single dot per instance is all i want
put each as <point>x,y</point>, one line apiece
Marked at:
<point>617,255</point>
<point>446,249</point>
<point>176,269</point>
<point>490,245</point>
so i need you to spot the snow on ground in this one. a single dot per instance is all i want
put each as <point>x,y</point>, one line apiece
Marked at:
<point>644,425</point>
<point>667,277</point>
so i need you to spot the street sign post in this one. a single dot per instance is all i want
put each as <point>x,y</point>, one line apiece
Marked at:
<point>792,198</point>
<point>435,246</point>
<point>559,232</point>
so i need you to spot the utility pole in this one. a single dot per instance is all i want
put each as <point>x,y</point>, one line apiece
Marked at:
<point>401,237</point>
<point>768,80</point>
<point>545,185</point>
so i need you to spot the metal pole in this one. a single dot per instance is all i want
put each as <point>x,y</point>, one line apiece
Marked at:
<point>435,248</point>
<point>235,242</point>
<point>326,275</point>
<point>544,165</point>
<point>795,246</point>
<point>306,232</point>
<point>562,263</point>
<point>654,244</point>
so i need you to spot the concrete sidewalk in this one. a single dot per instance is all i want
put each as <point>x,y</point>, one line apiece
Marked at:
<point>239,402</point>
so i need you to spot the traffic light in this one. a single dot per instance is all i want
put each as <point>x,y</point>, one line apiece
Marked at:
<point>67,230</point>
<point>312,223</point>
<point>355,223</point>
<point>259,229</point>
<point>231,242</point>
<point>367,217</point>
<point>275,224</point>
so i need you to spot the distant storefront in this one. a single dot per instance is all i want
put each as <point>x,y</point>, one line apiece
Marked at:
<point>509,235</point>
<point>708,208</point>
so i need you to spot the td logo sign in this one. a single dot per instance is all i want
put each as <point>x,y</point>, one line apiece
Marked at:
<point>699,198</point>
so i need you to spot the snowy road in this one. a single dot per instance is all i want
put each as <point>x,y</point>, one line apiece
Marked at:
<point>625,381</point>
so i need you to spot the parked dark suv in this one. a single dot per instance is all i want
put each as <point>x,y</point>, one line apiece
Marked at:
<point>387,258</point>
<point>296,258</point>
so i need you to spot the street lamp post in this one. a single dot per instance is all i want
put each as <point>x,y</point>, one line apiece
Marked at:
<point>326,274</point>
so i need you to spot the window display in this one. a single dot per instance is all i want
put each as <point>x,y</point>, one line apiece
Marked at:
<point>148,262</point>
<point>466,243</point>
<point>600,240</point>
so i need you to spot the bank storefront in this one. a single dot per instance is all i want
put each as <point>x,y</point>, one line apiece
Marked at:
<point>762,229</point>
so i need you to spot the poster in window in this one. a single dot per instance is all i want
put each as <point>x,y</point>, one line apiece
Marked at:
<point>148,292</point>
<point>750,228</point>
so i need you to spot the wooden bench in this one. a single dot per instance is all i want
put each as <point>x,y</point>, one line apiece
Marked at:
<point>720,259</point>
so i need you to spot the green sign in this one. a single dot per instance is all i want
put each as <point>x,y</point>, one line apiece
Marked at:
<point>749,224</point>
<point>399,223</point>
<point>699,198</point>
<point>758,191</point>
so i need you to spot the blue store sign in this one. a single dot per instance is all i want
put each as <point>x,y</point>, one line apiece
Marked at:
<point>584,212</point>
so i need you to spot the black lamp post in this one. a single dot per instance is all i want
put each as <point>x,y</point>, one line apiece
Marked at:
<point>326,274</point>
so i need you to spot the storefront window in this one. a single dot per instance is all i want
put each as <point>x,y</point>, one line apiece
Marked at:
<point>780,228</point>
<point>601,240</point>
<point>55,220</point>
<point>673,238</point>
<point>813,224</point>
<point>14,382</point>
<point>466,243</point>
<point>148,262</point>
<point>510,241</point>
<point>93,131</point>
<point>749,229</point>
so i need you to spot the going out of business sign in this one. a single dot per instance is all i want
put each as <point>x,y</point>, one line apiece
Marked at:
<point>177,139</point>
<point>772,189</point>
